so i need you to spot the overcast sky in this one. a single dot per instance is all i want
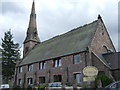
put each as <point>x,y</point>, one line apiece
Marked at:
<point>55,17</point>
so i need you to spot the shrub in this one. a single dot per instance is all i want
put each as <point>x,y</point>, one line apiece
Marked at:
<point>41,87</point>
<point>105,80</point>
<point>29,87</point>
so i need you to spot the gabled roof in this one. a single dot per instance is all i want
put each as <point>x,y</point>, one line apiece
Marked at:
<point>113,59</point>
<point>101,59</point>
<point>76,40</point>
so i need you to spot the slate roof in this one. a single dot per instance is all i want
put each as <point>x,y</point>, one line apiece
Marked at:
<point>102,59</point>
<point>71,42</point>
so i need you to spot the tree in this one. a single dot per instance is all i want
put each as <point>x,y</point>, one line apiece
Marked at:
<point>10,54</point>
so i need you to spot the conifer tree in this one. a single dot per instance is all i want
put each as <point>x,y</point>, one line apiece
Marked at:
<point>10,54</point>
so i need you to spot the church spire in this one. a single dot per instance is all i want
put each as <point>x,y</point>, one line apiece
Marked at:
<point>32,36</point>
<point>32,22</point>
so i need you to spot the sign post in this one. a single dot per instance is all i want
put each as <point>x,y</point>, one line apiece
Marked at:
<point>90,72</point>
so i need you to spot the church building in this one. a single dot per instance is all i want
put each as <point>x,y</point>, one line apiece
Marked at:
<point>62,58</point>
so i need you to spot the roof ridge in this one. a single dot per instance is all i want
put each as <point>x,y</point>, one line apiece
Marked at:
<point>72,30</point>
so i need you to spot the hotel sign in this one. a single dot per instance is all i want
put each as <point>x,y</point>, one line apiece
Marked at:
<point>88,79</point>
<point>90,71</point>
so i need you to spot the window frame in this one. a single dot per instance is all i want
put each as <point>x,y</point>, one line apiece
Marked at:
<point>20,69</point>
<point>44,80</point>
<point>80,78</point>
<point>42,65</point>
<point>57,62</point>
<point>56,78</point>
<point>30,67</point>
<point>74,61</point>
<point>19,81</point>
<point>29,81</point>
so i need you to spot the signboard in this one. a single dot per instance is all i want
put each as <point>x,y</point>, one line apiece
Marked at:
<point>85,79</point>
<point>90,71</point>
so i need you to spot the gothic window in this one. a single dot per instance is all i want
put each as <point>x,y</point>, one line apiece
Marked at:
<point>105,49</point>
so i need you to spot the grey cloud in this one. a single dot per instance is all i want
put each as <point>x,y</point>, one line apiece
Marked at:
<point>11,7</point>
<point>55,21</point>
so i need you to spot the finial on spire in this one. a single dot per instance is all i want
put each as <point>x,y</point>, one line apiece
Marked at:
<point>99,17</point>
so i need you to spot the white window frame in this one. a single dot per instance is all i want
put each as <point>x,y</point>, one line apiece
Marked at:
<point>42,65</point>
<point>57,62</point>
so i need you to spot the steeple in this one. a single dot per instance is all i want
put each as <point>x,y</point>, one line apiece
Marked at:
<point>32,35</point>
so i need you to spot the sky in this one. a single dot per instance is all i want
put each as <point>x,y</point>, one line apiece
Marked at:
<point>55,17</point>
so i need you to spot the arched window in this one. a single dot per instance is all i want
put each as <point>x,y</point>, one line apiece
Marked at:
<point>105,48</point>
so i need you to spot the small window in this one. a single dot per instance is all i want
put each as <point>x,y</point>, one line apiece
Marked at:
<point>30,67</point>
<point>20,82</point>
<point>30,81</point>
<point>35,34</point>
<point>78,77</point>
<point>20,69</point>
<point>57,63</point>
<point>76,59</point>
<point>41,80</point>
<point>42,65</point>
<point>57,78</point>
<point>102,33</point>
